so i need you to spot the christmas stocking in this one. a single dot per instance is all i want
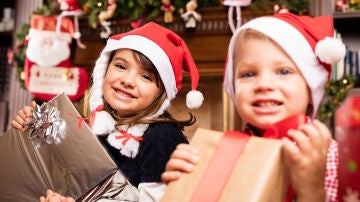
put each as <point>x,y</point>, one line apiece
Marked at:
<point>47,63</point>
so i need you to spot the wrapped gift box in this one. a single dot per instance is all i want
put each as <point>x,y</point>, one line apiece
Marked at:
<point>347,133</point>
<point>257,173</point>
<point>72,167</point>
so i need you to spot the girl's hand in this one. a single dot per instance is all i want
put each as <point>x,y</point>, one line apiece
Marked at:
<point>183,159</point>
<point>55,197</point>
<point>23,116</point>
<point>305,159</point>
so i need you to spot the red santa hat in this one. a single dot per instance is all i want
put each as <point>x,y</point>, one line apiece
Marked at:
<point>44,25</point>
<point>308,41</point>
<point>169,54</point>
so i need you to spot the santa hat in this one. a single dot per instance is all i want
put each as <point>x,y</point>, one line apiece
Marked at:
<point>308,41</point>
<point>169,54</point>
<point>46,25</point>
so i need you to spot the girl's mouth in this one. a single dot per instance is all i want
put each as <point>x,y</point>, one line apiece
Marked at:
<point>123,93</point>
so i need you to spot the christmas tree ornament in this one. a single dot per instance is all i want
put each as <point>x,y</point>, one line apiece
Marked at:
<point>104,17</point>
<point>235,4</point>
<point>191,17</point>
<point>70,8</point>
<point>168,9</point>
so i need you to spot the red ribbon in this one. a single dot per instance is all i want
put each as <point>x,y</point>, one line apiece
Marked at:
<point>226,154</point>
<point>280,129</point>
<point>127,137</point>
<point>230,147</point>
<point>91,118</point>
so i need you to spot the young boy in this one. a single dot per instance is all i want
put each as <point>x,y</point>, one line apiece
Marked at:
<point>277,67</point>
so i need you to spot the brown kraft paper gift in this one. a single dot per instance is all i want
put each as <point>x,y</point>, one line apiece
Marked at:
<point>257,176</point>
<point>72,167</point>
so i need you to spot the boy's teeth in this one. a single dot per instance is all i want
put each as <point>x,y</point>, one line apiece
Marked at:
<point>267,104</point>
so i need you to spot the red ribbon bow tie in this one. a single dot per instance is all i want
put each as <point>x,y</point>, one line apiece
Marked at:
<point>280,129</point>
<point>127,137</point>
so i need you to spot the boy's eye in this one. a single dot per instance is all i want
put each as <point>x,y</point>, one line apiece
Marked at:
<point>284,72</point>
<point>247,75</point>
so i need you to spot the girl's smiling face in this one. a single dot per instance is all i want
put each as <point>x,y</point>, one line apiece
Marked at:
<point>268,85</point>
<point>128,86</point>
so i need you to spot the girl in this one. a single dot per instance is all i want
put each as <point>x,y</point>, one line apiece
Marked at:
<point>136,76</point>
<point>278,67</point>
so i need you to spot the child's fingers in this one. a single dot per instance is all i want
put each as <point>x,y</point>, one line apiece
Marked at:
<point>33,104</point>
<point>302,141</point>
<point>291,151</point>
<point>169,176</point>
<point>15,124</point>
<point>318,134</point>
<point>179,165</point>
<point>323,134</point>
<point>42,199</point>
<point>25,113</point>
<point>186,153</point>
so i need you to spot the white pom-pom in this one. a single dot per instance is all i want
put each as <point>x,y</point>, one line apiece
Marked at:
<point>103,123</point>
<point>194,99</point>
<point>77,35</point>
<point>330,50</point>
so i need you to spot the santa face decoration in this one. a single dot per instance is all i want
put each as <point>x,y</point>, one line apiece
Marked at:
<point>48,68</point>
<point>47,50</point>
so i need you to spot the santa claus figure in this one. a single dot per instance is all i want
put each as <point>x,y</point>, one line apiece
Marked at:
<point>48,70</point>
<point>70,8</point>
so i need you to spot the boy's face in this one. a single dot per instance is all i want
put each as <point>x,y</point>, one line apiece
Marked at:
<point>129,87</point>
<point>268,85</point>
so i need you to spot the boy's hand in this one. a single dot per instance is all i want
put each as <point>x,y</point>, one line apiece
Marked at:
<point>55,197</point>
<point>305,159</point>
<point>23,116</point>
<point>183,159</point>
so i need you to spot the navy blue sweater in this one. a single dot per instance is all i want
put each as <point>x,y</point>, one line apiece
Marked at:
<point>160,140</point>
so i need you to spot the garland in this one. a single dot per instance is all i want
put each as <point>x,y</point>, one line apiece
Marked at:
<point>335,94</point>
<point>134,10</point>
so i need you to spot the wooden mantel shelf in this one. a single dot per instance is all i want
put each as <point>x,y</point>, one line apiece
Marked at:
<point>208,44</point>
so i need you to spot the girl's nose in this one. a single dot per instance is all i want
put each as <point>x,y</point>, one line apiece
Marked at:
<point>128,79</point>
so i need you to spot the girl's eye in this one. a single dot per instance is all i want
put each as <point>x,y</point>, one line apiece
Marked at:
<point>147,77</point>
<point>120,66</point>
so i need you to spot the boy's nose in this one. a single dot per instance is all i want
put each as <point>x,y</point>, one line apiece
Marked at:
<point>264,82</point>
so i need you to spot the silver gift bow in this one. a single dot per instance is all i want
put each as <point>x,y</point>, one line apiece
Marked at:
<point>45,126</point>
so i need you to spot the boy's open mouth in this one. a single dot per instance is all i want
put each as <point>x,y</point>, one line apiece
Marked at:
<point>267,104</point>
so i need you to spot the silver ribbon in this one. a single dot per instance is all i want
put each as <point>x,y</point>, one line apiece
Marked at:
<point>45,127</point>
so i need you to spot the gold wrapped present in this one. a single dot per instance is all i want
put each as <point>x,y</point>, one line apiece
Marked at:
<point>234,167</point>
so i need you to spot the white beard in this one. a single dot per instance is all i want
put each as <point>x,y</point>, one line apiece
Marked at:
<point>47,50</point>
